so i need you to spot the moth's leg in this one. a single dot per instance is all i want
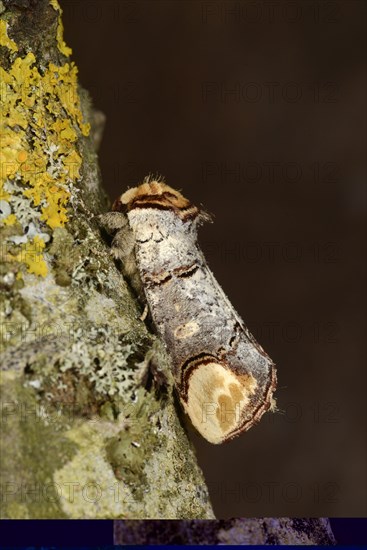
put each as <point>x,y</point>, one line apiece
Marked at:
<point>123,249</point>
<point>112,221</point>
<point>122,245</point>
<point>144,315</point>
<point>156,367</point>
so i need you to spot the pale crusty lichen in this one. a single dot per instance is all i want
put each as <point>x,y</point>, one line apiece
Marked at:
<point>118,460</point>
<point>110,461</point>
<point>96,493</point>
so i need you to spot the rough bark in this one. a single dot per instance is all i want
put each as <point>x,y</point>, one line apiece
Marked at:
<point>254,531</point>
<point>86,432</point>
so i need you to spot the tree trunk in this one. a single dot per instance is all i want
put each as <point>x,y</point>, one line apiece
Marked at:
<point>86,431</point>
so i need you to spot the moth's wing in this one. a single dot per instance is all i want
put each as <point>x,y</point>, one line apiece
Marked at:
<point>224,299</point>
<point>240,380</point>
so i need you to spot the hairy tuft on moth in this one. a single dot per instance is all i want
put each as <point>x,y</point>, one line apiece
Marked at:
<point>224,379</point>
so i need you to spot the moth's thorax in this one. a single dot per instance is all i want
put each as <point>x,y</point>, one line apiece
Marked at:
<point>163,239</point>
<point>165,222</point>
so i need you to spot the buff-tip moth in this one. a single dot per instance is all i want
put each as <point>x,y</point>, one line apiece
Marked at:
<point>224,379</point>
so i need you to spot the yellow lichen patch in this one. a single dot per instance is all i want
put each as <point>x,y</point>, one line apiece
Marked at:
<point>4,196</point>
<point>55,213</point>
<point>4,38</point>
<point>60,31</point>
<point>65,130</point>
<point>10,220</point>
<point>40,122</point>
<point>32,255</point>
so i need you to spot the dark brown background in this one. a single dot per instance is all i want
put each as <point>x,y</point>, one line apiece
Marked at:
<point>257,110</point>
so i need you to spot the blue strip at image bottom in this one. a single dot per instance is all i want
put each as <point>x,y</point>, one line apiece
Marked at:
<point>89,534</point>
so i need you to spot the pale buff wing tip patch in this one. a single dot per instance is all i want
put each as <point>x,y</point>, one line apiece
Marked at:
<point>217,399</point>
<point>223,377</point>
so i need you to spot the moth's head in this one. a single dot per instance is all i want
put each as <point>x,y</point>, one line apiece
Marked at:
<point>157,194</point>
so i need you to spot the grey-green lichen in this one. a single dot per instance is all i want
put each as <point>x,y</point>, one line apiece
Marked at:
<point>85,415</point>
